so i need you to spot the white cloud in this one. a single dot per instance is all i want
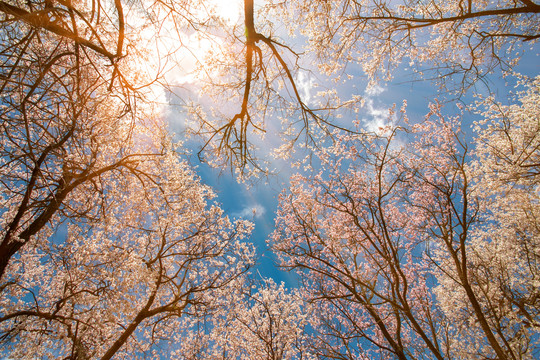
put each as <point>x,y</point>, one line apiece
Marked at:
<point>254,211</point>
<point>374,90</point>
<point>304,83</point>
<point>377,114</point>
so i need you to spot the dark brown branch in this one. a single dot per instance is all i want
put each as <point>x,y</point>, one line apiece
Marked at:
<point>41,20</point>
<point>423,22</point>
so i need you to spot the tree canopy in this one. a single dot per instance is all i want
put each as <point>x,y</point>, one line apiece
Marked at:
<point>414,239</point>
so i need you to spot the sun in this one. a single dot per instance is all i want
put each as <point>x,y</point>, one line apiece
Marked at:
<point>229,10</point>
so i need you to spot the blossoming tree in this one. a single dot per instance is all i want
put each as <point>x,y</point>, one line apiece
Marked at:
<point>456,41</point>
<point>125,281</point>
<point>413,246</point>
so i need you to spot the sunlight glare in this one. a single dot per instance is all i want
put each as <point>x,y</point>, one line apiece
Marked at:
<point>229,10</point>
<point>188,54</point>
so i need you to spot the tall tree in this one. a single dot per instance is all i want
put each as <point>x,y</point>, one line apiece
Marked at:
<point>411,248</point>
<point>124,283</point>
<point>504,248</point>
<point>107,244</point>
<point>75,103</point>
